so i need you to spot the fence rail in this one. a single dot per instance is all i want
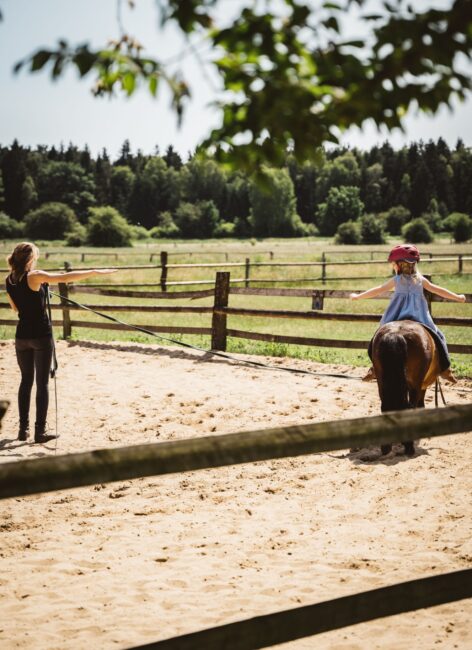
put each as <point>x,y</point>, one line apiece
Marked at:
<point>298,623</point>
<point>323,265</point>
<point>109,465</point>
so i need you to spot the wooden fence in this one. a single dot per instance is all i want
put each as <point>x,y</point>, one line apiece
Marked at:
<point>164,267</point>
<point>108,465</point>
<point>323,265</point>
<point>220,311</point>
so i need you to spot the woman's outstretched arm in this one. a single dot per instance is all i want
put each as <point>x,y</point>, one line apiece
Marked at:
<point>36,278</point>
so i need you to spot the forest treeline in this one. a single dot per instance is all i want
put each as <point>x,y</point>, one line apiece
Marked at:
<point>359,196</point>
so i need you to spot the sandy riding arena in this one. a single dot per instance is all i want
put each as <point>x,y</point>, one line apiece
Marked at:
<point>123,564</point>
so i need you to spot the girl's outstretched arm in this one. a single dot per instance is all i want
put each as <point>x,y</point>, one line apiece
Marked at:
<point>444,293</point>
<point>375,291</point>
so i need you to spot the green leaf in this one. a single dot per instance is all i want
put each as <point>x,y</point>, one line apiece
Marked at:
<point>17,67</point>
<point>85,61</point>
<point>128,83</point>
<point>153,81</point>
<point>58,66</point>
<point>39,59</point>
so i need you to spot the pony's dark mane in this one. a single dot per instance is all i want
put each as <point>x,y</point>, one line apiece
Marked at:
<point>392,354</point>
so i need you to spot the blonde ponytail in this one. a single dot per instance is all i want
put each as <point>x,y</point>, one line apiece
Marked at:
<point>406,268</point>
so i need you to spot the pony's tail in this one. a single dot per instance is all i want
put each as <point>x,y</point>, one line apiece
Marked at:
<point>392,354</point>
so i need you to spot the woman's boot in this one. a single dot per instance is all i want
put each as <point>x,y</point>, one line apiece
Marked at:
<point>23,431</point>
<point>40,435</point>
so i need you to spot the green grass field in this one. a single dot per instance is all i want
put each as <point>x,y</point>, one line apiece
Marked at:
<point>271,250</point>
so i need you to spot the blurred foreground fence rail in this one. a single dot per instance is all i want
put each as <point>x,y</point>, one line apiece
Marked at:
<point>34,476</point>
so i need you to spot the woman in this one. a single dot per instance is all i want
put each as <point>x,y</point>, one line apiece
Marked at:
<point>33,342</point>
<point>408,301</point>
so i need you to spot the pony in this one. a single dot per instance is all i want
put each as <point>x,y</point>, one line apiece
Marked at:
<point>406,361</point>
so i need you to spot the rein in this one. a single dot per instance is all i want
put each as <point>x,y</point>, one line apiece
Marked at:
<point>54,364</point>
<point>438,388</point>
<point>215,353</point>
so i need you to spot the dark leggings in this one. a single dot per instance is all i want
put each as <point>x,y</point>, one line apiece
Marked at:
<point>34,355</point>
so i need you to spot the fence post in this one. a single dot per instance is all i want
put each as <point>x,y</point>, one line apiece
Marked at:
<point>459,259</point>
<point>323,268</point>
<point>66,325</point>
<point>317,300</point>
<point>246,272</point>
<point>163,271</point>
<point>218,323</point>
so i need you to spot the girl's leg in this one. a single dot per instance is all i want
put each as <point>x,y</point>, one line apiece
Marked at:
<point>25,358</point>
<point>445,359</point>
<point>42,362</point>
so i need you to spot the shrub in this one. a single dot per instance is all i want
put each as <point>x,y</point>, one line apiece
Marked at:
<point>343,204</point>
<point>396,218</point>
<point>224,229</point>
<point>459,225</point>
<point>9,228</point>
<point>462,228</point>
<point>309,230</point>
<point>107,227</point>
<point>417,232</point>
<point>371,229</point>
<point>166,227</point>
<point>348,233</point>
<point>196,219</point>
<point>77,236</point>
<point>139,232</point>
<point>50,221</point>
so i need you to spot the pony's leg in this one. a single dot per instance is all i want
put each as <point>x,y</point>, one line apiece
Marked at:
<point>416,399</point>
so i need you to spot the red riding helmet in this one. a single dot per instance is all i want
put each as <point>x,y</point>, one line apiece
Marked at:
<point>406,252</point>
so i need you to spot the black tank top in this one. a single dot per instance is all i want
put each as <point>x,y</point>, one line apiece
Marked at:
<point>34,321</point>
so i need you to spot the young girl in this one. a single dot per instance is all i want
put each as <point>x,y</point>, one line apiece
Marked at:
<point>408,301</point>
<point>33,342</point>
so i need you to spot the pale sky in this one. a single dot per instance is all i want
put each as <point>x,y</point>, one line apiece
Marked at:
<point>36,110</point>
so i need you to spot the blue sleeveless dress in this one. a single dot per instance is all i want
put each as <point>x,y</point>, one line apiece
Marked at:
<point>408,303</point>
